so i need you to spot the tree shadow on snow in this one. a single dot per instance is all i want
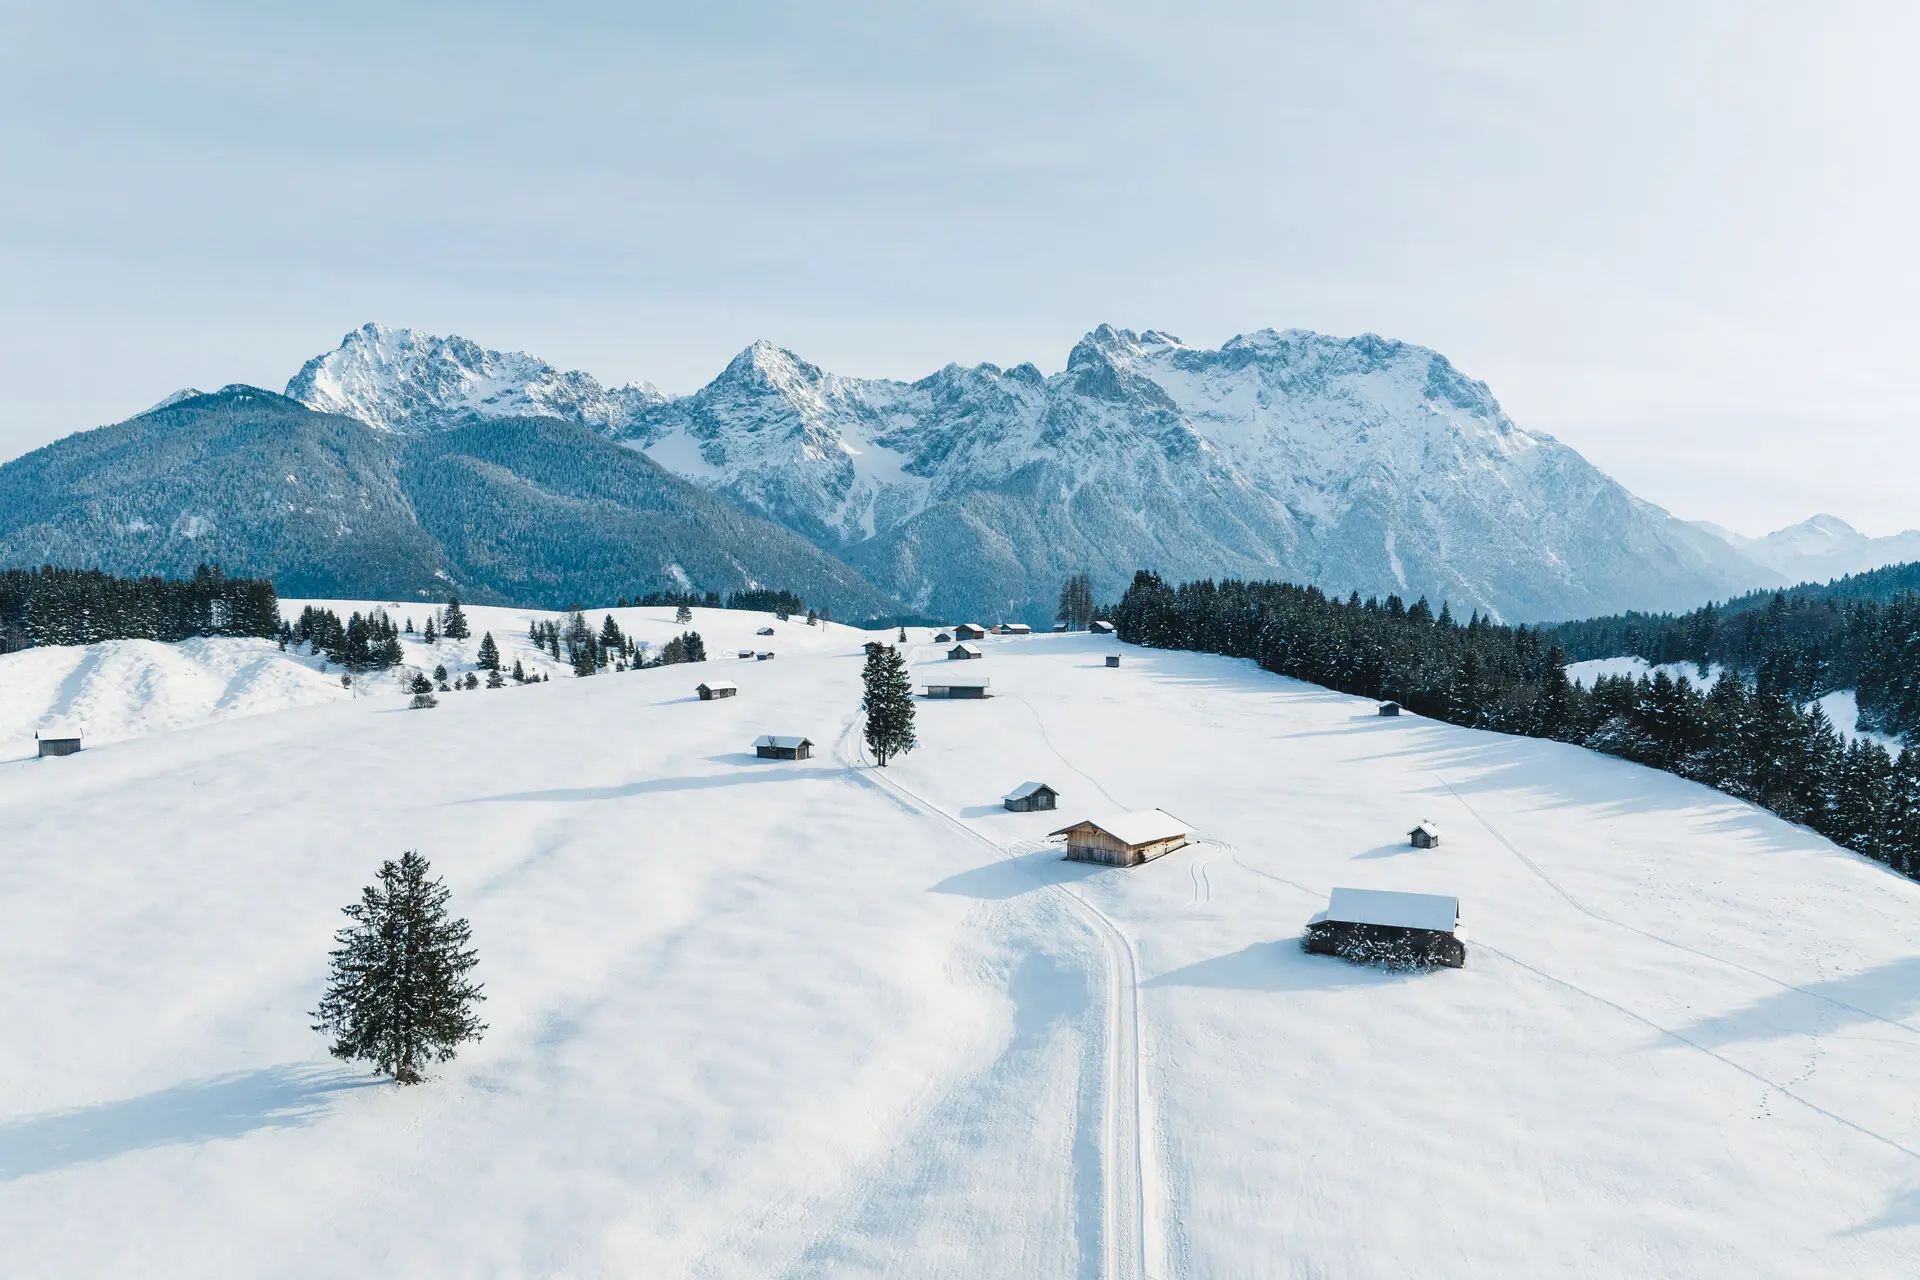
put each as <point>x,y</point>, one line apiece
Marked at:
<point>1279,965</point>
<point>228,1106</point>
<point>1901,1210</point>
<point>1891,990</point>
<point>650,786</point>
<point>1011,877</point>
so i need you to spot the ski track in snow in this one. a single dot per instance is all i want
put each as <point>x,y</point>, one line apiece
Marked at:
<point>1128,1232</point>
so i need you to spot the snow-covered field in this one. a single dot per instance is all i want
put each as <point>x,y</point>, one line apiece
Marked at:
<point>764,1019</point>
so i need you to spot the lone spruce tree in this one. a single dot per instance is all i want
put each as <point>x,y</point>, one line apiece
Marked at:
<point>888,702</point>
<point>489,653</point>
<point>398,994</point>
<point>453,622</point>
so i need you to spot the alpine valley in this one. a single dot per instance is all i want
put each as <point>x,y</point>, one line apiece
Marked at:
<point>401,462</point>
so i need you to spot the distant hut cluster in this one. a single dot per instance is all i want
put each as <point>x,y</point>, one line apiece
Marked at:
<point>58,738</point>
<point>1126,839</point>
<point>1031,797</point>
<point>1378,926</point>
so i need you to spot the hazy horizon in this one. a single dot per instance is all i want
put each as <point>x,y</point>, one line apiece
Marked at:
<point>1673,238</point>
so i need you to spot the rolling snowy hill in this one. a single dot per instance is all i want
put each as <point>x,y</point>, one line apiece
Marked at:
<point>1356,463</point>
<point>753,1018</point>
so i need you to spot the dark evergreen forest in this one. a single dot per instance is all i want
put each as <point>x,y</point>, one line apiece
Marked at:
<point>1750,736</point>
<point>82,606</point>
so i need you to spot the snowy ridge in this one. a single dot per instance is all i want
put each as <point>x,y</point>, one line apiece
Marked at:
<point>1357,464</point>
<point>1821,548</point>
<point>403,379</point>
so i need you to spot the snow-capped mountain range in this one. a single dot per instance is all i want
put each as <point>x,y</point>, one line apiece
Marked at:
<point>1821,548</point>
<point>1357,464</point>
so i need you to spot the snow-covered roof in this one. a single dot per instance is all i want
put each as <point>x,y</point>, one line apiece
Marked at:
<point>1016,628</point>
<point>1101,624</point>
<point>785,742</point>
<point>58,730</point>
<point>1026,789</point>
<point>958,682</point>
<point>714,686</point>
<point>970,648</point>
<point>1143,826</point>
<point>1403,910</point>
<point>1426,825</point>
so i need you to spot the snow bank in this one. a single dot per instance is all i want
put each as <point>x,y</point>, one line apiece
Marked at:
<point>1585,673</point>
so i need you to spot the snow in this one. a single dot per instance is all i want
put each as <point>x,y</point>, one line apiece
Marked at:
<point>1401,910</point>
<point>828,1020</point>
<point>1842,709</point>
<point>1585,673</point>
<point>1142,827</point>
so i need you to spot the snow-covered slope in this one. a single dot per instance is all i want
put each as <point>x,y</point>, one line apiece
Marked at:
<point>808,1019</point>
<point>1355,463</point>
<point>1821,548</point>
<point>400,379</point>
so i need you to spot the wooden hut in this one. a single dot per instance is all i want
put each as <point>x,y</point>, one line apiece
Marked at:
<point>967,631</point>
<point>1424,835</point>
<point>1013,629</point>
<point>1100,628</point>
<point>958,687</point>
<point>762,657</point>
<point>744,653</point>
<point>775,746</point>
<point>1059,626</point>
<point>963,652</point>
<point>716,689</point>
<point>1393,928</point>
<point>764,631</point>
<point>1113,659</point>
<point>1031,797</point>
<point>943,638</point>
<point>1389,708</point>
<point>58,738</point>
<point>1126,839</point>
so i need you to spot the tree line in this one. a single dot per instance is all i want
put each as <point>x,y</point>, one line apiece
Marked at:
<point>84,606</point>
<point>1753,736</point>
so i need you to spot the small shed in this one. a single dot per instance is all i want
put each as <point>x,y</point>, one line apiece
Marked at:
<point>744,653</point>
<point>58,738</point>
<point>1059,626</point>
<point>716,689</point>
<point>764,631</point>
<point>776,746</point>
<point>762,657</point>
<point>1100,628</point>
<point>958,687</point>
<point>1425,835</point>
<point>963,652</point>
<point>1126,839</point>
<point>1389,708</point>
<point>1113,659</point>
<point>1014,629</point>
<point>1030,797</point>
<point>1375,925</point>
<point>943,638</point>
<point>967,631</point>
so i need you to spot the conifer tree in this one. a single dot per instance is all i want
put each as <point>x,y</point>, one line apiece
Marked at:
<point>494,679</point>
<point>888,701</point>
<point>519,672</point>
<point>489,653</point>
<point>398,992</point>
<point>430,635</point>
<point>453,623</point>
<point>683,615</point>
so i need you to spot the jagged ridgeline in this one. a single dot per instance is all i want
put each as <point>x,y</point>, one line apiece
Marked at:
<point>82,606</point>
<point>1758,741</point>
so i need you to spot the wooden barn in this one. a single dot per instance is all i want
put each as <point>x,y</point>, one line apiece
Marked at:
<point>1425,835</point>
<point>1031,797</point>
<point>716,689</point>
<point>963,652</point>
<point>744,653</point>
<point>762,657</point>
<point>1113,659</point>
<point>1389,708</point>
<point>1100,628</point>
<point>1013,629</point>
<point>775,746</point>
<point>1059,626</point>
<point>958,687</point>
<point>1374,925</point>
<point>58,739</point>
<point>967,631</point>
<point>764,631</point>
<point>1126,839</point>
<point>943,638</point>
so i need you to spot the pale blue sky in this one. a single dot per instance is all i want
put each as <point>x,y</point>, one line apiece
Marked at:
<point>1680,237</point>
